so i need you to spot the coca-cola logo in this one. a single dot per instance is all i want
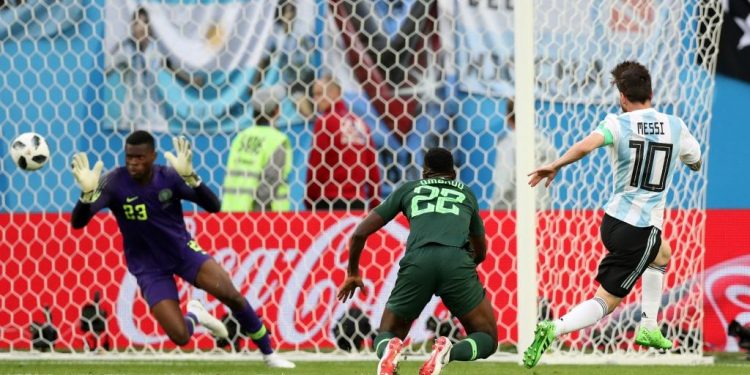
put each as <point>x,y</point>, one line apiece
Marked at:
<point>728,293</point>
<point>303,296</point>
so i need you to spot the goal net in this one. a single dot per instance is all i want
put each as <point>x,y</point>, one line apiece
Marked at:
<point>413,74</point>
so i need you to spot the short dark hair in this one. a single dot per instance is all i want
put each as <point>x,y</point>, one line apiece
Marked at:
<point>439,160</point>
<point>140,137</point>
<point>633,80</point>
<point>140,12</point>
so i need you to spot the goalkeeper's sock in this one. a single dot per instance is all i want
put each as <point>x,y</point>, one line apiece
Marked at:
<point>381,342</point>
<point>653,282</point>
<point>583,315</point>
<point>190,322</point>
<point>477,346</point>
<point>250,322</point>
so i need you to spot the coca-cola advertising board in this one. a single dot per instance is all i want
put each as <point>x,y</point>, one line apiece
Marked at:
<point>289,267</point>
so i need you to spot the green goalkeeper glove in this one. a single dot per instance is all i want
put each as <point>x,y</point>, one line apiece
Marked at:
<point>87,179</point>
<point>183,162</point>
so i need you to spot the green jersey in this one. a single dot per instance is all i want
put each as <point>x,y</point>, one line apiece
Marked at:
<point>440,211</point>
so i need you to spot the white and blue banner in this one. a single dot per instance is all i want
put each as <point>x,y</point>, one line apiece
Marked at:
<point>35,19</point>
<point>200,35</point>
<point>217,45</point>
<point>575,46</point>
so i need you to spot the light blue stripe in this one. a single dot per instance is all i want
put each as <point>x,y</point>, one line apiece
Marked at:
<point>676,125</point>
<point>624,159</point>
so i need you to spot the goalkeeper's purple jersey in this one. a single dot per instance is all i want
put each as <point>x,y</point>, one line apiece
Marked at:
<point>149,216</point>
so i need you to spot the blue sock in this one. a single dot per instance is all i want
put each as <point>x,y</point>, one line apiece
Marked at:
<point>250,322</point>
<point>191,321</point>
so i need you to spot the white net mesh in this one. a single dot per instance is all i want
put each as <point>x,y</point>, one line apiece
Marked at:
<point>662,35</point>
<point>414,74</point>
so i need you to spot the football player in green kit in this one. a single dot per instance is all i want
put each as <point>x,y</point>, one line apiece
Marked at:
<point>446,243</point>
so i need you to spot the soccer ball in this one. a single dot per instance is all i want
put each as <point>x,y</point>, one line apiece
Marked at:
<point>29,151</point>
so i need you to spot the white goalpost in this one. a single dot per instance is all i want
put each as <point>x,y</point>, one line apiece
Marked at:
<point>525,161</point>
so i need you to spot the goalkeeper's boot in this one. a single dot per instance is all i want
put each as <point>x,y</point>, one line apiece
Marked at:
<point>652,338</point>
<point>273,360</point>
<point>388,364</point>
<point>207,320</point>
<point>544,335</point>
<point>440,356</point>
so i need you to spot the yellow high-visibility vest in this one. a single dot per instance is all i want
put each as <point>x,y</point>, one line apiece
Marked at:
<point>249,155</point>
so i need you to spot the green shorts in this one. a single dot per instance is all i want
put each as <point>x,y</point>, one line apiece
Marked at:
<point>447,272</point>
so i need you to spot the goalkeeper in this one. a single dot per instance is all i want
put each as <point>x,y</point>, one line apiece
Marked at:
<point>446,242</point>
<point>146,201</point>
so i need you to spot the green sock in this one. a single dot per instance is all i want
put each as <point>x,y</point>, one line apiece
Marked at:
<point>381,341</point>
<point>477,345</point>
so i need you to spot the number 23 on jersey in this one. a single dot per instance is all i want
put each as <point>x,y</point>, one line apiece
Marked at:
<point>135,212</point>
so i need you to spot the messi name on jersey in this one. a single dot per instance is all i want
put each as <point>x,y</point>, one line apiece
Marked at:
<point>650,128</point>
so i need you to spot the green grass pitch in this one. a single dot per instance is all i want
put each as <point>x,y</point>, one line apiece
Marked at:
<point>725,365</point>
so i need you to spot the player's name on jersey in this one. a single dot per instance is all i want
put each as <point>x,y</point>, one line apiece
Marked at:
<point>650,128</point>
<point>433,181</point>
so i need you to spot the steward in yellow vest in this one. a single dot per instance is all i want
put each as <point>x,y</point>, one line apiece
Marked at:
<point>260,160</point>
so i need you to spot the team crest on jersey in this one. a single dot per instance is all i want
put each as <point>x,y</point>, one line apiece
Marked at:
<point>165,195</point>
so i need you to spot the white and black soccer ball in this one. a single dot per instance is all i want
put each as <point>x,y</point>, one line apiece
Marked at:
<point>29,151</point>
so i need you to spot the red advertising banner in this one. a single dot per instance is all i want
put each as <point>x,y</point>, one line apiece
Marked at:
<point>290,265</point>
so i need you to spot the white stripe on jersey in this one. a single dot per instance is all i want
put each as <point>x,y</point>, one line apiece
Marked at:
<point>646,146</point>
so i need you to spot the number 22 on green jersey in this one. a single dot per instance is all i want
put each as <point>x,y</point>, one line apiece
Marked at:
<point>425,195</point>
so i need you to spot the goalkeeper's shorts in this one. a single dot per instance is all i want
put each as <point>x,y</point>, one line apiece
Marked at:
<point>448,272</point>
<point>158,285</point>
<point>631,250</point>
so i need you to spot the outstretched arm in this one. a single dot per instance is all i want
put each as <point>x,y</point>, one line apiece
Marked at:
<point>84,211</point>
<point>202,196</point>
<point>575,153</point>
<point>367,227</point>
<point>193,190</point>
<point>93,197</point>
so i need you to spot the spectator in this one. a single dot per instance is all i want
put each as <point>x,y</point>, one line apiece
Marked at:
<point>343,171</point>
<point>504,176</point>
<point>260,160</point>
<point>138,61</point>
<point>295,49</point>
<point>289,62</point>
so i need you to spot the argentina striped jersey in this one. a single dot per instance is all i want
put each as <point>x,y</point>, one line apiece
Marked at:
<point>644,147</point>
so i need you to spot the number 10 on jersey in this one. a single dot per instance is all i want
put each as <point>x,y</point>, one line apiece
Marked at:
<point>656,162</point>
